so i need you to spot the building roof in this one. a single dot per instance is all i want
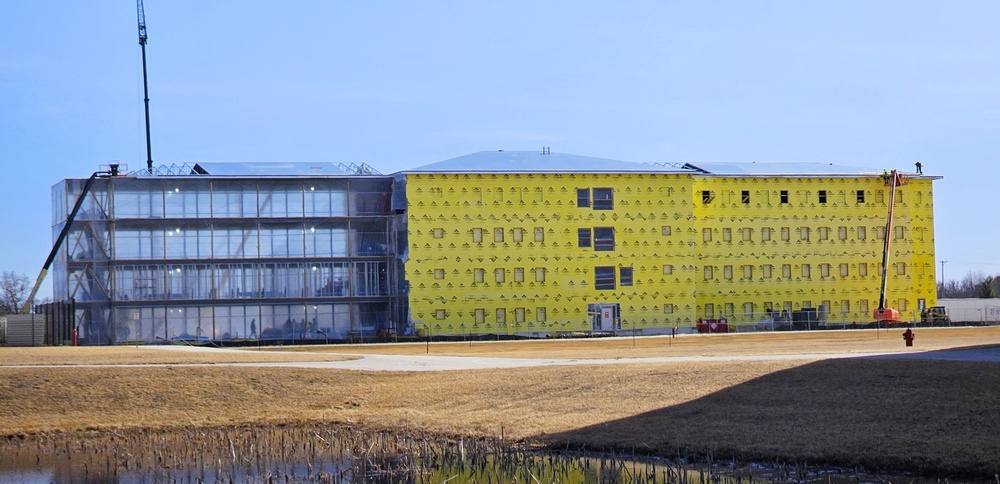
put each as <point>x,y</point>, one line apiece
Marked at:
<point>268,169</point>
<point>538,162</point>
<point>783,169</point>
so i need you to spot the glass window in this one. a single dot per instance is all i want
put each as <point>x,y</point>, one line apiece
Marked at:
<point>665,230</point>
<point>438,233</point>
<point>765,234</point>
<point>862,269</point>
<point>582,197</point>
<point>498,235</point>
<point>784,196</point>
<point>583,237</point>
<point>708,272</point>
<point>604,277</point>
<point>604,238</point>
<point>518,234</point>
<point>478,275</point>
<point>785,234</point>
<point>518,274</point>
<point>625,276</point>
<point>540,315</point>
<point>806,270</point>
<point>499,274</point>
<point>766,270</point>
<point>668,269</point>
<point>842,233</point>
<point>477,235</point>
<point>822,196</point>
<point>604,199</point>
<point>539,234</point>
<point>748,272</point>
<point>727,234</point>
<point>706,234</point>
<point>860,196</point>
<point>439,273</point>
<point>501,315</point>
<point>727,272</point>
<point>862,232</point>
<point>539,274</point>
<point>786,270</point>
<point>480,316</point>
<point>519,315</point>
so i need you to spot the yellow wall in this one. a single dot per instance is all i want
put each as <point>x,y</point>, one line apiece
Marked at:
<point>659,220</point>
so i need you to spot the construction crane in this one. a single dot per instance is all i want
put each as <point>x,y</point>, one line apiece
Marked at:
<point>884,314</point>
<point>113,171</point>
<point>145,86</point>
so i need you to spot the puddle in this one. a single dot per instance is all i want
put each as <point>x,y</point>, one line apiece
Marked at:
<point>343,455</point>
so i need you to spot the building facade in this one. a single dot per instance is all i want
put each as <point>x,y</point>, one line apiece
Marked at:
<point>224,253</point>
<point>492,243</point>
<point>536,243</point>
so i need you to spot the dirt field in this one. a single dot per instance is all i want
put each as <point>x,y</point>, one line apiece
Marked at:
<point>904,414</point>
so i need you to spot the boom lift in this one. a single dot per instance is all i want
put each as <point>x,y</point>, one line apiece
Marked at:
<point>113,171</point>
<point>884,314</point>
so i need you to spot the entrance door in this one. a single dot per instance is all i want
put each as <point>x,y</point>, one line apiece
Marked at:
<point>604,316</point>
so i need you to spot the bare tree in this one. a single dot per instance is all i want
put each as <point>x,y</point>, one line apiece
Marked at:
<point>14,289</point>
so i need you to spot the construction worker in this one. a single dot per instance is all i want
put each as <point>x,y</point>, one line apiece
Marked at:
<point>920,168</point>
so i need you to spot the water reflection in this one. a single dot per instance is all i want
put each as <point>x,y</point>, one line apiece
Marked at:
<point>343,455</point>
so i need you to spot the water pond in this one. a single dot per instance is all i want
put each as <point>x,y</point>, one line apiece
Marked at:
<point>330,454</point>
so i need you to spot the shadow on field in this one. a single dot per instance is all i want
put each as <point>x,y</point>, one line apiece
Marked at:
<point>933,417</point>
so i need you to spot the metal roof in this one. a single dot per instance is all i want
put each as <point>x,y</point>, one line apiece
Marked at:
<point>538,162</point>
<point>267,169</point>
<point>784,169</point>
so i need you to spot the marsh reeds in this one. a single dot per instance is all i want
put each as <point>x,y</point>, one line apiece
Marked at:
<point>321,453</point>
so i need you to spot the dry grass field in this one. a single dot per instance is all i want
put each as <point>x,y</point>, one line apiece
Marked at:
<point>931,416</point>
<point>778,343</point>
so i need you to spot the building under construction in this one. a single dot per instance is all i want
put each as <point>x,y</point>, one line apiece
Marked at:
<point>492,243</point>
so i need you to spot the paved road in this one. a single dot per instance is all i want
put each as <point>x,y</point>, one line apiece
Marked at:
<point>372,362</point>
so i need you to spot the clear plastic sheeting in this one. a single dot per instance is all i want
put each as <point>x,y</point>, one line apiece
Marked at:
<point>205,259</point>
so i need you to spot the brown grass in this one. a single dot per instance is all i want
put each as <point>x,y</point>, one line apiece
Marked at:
<point>936,416</point>
<point>779,343</point>
<point>144,355</point>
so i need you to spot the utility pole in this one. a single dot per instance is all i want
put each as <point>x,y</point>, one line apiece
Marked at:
<point>145,85</point>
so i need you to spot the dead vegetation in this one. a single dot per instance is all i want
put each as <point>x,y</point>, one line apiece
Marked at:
<point>934,416</point>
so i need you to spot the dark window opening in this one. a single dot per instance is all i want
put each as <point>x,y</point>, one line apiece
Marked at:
<point>706,196</point>
<point>625,276</point>
<point>745,196</point>
<point>604,238</point>
<point>861,196</point>
<point>582,197</point>
<point>583,237</point>
<point>604,277</point>
<point>822,196</point>
<point>784,196</point>
<point>604,199</point>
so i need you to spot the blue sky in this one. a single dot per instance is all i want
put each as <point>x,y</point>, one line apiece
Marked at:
<point>401,84</point>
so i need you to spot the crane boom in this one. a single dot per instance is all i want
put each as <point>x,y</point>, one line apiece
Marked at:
<point>883,313</point>
<point>145,85</point>
<point>62,235</point>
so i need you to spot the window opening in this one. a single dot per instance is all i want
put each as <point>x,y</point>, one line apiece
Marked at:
<point>604,277</point>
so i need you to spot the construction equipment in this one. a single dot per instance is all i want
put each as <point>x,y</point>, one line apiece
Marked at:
<point>884,315</point>
<point>936,315</point>
<point>113,171</point>
<point>145,85</point>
